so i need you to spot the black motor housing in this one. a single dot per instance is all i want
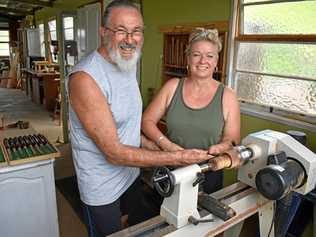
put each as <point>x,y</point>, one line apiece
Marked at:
<point>277,180</point>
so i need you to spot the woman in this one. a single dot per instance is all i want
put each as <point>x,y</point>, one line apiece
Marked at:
<point>200,112</point>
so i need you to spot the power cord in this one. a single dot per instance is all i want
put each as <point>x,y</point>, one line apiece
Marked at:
<point>273,219</point>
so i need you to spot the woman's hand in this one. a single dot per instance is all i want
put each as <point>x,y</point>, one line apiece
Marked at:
<point>166,145</point>
<point>220,148</point>
<point>148,144</point>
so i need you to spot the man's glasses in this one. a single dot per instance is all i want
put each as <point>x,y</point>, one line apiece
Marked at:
<point>122,33</point>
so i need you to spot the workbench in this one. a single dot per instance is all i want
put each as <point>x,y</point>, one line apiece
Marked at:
<point>42,87</point>
<point>28,199</point>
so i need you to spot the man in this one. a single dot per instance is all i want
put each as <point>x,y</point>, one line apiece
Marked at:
<point>105,115</point>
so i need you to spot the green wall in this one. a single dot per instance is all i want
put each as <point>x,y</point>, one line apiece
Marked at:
<point>176,12</point>
<point>251,124</point>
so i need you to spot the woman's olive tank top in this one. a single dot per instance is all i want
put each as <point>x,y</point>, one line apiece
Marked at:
<point>195,128</point>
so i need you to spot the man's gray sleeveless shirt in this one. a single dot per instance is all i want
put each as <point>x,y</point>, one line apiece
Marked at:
<point>99,181</point>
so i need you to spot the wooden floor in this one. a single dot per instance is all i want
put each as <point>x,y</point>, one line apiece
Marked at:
<point>15,106</point>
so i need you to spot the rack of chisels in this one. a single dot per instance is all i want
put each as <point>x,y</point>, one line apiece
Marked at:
<point>3,162</point>
<point>27,148</point>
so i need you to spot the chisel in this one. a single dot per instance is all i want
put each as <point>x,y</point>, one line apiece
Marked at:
<point>28,151</point>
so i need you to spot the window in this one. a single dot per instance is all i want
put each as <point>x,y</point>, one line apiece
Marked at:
<point>53,40</point>
<point>42,39</point>
<point>70,43</point>
<point>4,43</point>
<point>68,24</point>
<point>273,62</point>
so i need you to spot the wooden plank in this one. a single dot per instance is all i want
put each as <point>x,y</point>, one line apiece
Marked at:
<point>13,10</point>
<point>277,38</point>
<point>50,84</point>
<point>36,3</point>
<point>224,37</point>
<point>146,226</point>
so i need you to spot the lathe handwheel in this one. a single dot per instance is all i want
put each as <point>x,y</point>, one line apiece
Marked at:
<point>163,181</point>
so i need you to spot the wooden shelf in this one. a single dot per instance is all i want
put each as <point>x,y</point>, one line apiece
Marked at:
<point>175,74</point>
<point>175,66</point>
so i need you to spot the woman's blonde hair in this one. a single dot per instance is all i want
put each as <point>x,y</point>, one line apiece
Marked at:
<point>200,34</point>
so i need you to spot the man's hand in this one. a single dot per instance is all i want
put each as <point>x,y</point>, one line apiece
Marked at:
<point>192,156</point>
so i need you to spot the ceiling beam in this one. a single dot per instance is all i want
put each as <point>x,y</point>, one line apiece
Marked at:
<point>36,3</point>
<point>12,10</point>
<point>10,17</point>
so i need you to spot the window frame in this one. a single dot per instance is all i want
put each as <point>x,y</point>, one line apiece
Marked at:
<point>263,111</point>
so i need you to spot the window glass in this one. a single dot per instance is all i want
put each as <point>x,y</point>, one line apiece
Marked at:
<point>280,18</point>
<point>69,34</point>
<point>4,36</point>
<point>42,40</point>
<point>295,60</point>
<point>68,22</point>
<point>70,44</point>
<point>4,43</point>
<point>287,94</point>
<point>52,29</point>
<point>52,25</point>
<point>275,55</point>
<point>4,49</point>
<point>53,40</point>
<point>53,35</point>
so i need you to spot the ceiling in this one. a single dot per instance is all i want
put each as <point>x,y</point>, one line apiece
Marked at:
<point>18,9</point>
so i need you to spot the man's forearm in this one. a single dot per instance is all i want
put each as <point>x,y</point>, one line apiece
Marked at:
<point>138,157</point>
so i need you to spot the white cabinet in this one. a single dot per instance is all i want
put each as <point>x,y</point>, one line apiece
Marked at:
<point>33,42</point>
<point>28,200</point>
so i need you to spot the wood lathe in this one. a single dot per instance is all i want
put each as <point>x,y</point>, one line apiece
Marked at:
<point>270,166</point>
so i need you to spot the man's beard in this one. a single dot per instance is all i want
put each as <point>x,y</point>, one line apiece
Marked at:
<point>125,65</point>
